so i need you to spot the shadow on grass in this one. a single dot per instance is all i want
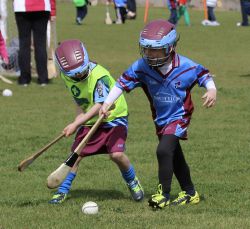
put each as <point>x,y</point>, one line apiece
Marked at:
<point>22,204</point>
<point>98,194</point>
<point>246,75</point>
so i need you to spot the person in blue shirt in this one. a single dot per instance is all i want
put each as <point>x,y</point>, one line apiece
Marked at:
<point>120,11</point>
<point>167,79</point>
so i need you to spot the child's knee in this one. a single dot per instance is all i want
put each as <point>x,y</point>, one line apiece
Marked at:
<point>118,156</point>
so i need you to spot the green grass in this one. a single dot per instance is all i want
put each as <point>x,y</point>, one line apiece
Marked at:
<point>217,149</point>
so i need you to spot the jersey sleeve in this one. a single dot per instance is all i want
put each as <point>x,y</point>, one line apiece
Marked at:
<point>203,76</point>
<point>101,91</point>
<point>129,79</point>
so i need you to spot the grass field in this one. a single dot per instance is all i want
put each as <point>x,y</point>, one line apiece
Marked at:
<point>217,149</point>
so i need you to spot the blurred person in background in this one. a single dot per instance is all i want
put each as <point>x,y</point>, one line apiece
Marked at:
<point>245,12</point>
<point>211,21</point>
<point>131,9</point>
<point>172,6</point>
<point>120,11</point>
<point>182,10</point>
<point>81,10</point>
<point>32,17</point>
<point>3,52</point>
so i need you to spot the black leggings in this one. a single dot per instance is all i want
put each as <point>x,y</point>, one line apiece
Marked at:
<point>172,161</point>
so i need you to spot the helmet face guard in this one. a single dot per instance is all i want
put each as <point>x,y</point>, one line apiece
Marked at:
<point>164,54</point>
<point>73,60</point>
<point>157,42</point>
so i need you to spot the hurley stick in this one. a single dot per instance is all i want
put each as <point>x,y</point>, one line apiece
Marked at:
<point>4,79</point>
<point>26,162</point>
<point>58,176</point>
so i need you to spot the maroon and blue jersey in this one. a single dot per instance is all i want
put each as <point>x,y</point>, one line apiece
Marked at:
<point>169,95</point>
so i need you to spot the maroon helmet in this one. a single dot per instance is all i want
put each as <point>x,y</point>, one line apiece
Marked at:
<point>161,35</point>
<point>72,59</point>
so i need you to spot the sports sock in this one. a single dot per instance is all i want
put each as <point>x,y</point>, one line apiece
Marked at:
<point>167,195</point>
<point>129,175</point>
<point>190,192</point>
<point>65,186</point>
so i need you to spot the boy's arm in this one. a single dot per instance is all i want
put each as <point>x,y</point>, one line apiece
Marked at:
<point>205,79</point>
<point>53,10</point>
<point>81,118</point>
<point>210,96</point>
<point>111,98</point>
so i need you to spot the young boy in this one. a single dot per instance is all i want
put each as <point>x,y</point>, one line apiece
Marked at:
<point>211,5</point>
<point>167,79</point>
<point>89,84</point>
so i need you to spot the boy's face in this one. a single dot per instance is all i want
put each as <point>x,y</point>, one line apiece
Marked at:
<point>81,76</point>
<point>155,57</point>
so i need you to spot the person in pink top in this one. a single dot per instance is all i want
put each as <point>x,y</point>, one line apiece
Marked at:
<point>32,17</point>
<point>3,50</point>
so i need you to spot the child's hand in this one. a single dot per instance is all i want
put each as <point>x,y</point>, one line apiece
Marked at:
<point>210,98</point>
<point>69,129</point>
<point>6,64</point>
<point>104,110</point>
<point>53,18</point>
<point>6,61</point>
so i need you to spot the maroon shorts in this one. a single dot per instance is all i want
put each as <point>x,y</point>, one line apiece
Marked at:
<point>177,128</point>
<point>104,140</point>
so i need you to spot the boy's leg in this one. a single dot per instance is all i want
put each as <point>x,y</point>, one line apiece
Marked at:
<point>182,173</point>
<point>186,16</point>
<point>123,13</point>
<point>128,174</point>
<point>84,12</point>
<point>64,188</point>
<point>173,16</point>
<point>165,156</point>
<point>179,12</point>
<point>78,15</point>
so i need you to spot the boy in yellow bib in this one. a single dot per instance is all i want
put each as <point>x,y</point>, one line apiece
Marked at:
<point>89,84</point>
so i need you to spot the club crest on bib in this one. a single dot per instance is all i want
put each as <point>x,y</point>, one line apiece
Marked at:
<point>75,91</point>
<point>99,89</point>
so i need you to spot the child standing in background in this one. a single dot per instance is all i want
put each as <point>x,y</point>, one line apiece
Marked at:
<point>182,10</point>
<point>121,11</point>
<point>81,10</point>
<point>211,4</point>
<point>172,5</point>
